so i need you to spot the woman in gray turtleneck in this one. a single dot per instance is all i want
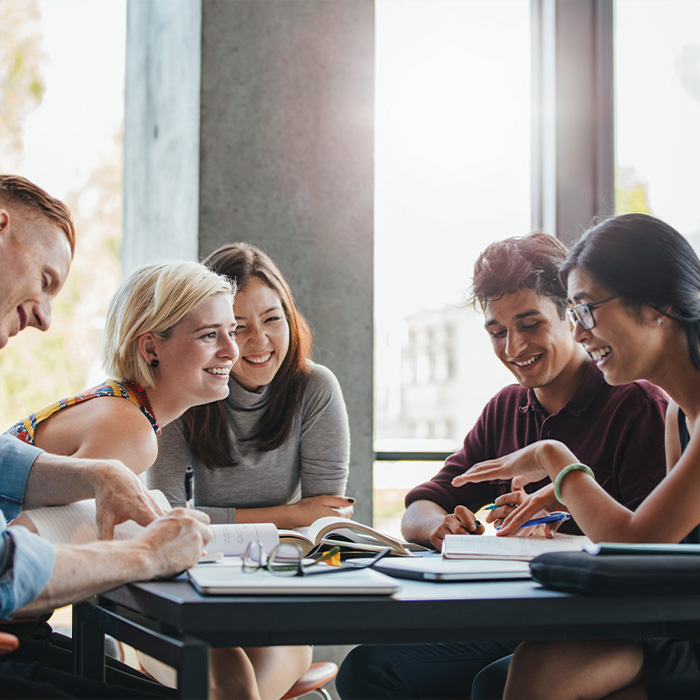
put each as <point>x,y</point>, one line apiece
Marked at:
<point>277,449</point>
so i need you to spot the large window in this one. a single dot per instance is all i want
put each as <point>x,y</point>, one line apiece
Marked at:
<point>452,175</point>
<point>60,125</point>
<point>657,111</point>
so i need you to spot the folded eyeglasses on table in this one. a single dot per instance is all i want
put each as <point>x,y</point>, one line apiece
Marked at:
<point>288,560</point>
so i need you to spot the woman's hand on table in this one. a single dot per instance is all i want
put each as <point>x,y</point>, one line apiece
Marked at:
<point>310,509</point>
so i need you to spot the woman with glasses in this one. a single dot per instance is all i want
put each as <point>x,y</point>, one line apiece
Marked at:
<point>634,286</point>
<point>277,449</point>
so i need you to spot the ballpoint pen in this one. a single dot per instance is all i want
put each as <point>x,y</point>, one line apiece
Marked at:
<point>557,517</point>
<point>189,487</point>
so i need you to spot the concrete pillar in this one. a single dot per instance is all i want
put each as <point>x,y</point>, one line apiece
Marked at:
<point>161,131</point>
<point>253,120</point>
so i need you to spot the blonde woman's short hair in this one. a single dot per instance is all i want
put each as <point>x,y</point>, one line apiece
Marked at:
<point>154,299</point>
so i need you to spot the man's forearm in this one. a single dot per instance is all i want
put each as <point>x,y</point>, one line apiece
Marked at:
<point>420,521</point>
<point>167,546</point>
<point>57,480</point>
<point>85,570</point>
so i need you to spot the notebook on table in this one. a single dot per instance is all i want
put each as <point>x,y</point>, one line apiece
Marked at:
<point>435,568</point>
<point>225,579</point>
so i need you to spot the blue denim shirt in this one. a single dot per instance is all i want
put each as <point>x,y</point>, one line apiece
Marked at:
<point>26,561</point>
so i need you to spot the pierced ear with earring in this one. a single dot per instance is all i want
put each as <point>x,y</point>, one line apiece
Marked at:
<point>660,320</point>
<point>154,363</point>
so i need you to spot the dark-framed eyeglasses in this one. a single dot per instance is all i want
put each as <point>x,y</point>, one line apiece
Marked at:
<point>288,560</point>
<point>583,313</point>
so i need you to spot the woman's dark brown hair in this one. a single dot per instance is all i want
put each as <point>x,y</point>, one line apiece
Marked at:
<point>206,427</point>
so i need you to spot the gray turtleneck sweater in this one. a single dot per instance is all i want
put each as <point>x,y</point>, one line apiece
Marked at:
<point>312,462</point>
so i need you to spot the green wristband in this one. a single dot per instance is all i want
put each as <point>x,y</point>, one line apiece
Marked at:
<point>564,473</point>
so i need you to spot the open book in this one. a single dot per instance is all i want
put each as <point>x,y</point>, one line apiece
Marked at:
<point>348,534</point>
<point>75,524</point>
<point>522,548</point>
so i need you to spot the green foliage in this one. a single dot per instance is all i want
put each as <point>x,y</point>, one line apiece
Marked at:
<point>21,82</point>
<point>36,368</point>
<point>33,380</point>
<point>36,90</point>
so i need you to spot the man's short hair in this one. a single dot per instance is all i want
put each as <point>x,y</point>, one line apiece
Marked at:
<point>20,192</point>
<point>521,262</point>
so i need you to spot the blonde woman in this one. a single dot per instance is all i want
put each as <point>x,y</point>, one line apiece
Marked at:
<point>169,346</point>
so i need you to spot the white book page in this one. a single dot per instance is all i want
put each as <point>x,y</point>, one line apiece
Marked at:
<point>232,539</point>
<point>312,531</point>
<point>355,532</point>
<point>485,546</point>
<point>75,523</point>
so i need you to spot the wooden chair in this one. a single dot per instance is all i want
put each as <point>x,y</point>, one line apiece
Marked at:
<point>8,642</point>
<point>313,681</point>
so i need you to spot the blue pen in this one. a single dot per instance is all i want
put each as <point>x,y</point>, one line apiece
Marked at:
<point>552,518</point>
<point>558,517</point>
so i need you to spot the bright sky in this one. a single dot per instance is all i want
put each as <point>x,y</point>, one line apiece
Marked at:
<point>83,105</point>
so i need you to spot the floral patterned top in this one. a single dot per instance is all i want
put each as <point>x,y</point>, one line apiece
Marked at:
<point>25,429</point>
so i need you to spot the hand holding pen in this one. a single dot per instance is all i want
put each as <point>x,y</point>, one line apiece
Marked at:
<point>557,517</point>
<point>189,487</point>
<point>206,558</point>
<point>517,512</point>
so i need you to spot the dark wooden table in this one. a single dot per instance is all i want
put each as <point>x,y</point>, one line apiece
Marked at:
<point>172,622</point>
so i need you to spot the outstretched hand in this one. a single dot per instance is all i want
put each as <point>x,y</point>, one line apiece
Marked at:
<point>522,466</point>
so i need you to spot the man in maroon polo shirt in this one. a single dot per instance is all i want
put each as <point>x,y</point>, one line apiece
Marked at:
<point>560,394</point>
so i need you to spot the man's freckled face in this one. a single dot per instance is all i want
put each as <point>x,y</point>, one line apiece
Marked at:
<point>33,269</point>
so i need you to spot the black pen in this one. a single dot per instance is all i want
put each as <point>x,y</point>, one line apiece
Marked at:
<point>189,487</point>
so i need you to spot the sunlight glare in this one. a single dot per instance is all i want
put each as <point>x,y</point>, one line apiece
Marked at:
<point>452,108</point>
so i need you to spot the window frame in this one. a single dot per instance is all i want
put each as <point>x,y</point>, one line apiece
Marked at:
<point>572,127</point>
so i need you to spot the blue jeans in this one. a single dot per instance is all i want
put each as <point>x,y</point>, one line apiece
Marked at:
<point>417,671</point>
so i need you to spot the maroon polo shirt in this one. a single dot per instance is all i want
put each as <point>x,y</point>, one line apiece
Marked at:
<point>617,430</point>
